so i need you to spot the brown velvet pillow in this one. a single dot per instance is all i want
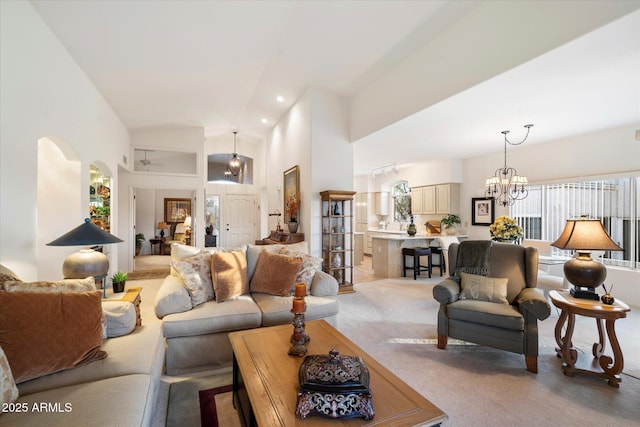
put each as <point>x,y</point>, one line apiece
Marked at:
<point>275,274</point>
<point>229,275</point>
<point>43,333</point>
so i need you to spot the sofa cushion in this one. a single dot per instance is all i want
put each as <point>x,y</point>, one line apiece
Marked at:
<point>172,297</point>
<point>8,389</point>
<point>310,265</point>
<point>195,273</point>
<point>86,404</point>
<point>253,252</point>
<point>42,333</point>
<point>229,272</point>
<point>482,288</point>
<point>210,318</point>
<point>277,310</point>
<point>121,317</point>
<point>275,274</point>
<point>65,285</point>
<point>503,316</point>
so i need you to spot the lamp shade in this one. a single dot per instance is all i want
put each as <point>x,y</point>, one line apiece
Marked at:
<point>85,234</point>
<point>187,221</point>
<point>162,226</point>
<point>585,234</point>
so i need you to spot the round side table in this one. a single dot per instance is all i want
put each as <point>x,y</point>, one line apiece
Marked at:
<point>601,366</point>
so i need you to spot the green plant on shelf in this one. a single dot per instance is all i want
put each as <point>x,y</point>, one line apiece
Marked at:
<point>450,220</point>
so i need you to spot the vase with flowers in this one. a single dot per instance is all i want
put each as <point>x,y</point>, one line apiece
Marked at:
<point>292,209</point>
<point>506,229</point>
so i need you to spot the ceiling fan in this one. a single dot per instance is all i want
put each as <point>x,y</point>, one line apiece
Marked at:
<point>146,162</point>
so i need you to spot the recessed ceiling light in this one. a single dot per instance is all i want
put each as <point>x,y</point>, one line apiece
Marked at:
<point>280,98</point>
<point>265,121</point>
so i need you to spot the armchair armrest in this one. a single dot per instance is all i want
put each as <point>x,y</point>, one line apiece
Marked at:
<point>446,291</point>
<point>533,301</point>
<point>324,285</point>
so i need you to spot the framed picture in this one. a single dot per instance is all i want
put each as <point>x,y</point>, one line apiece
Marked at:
<point>291,193</point>
<point>176,210</point>
<point>482,211</point>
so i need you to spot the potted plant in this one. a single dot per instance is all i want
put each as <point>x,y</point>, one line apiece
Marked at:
<point>450,223</point>
<point>118,280</point>
<point>139,240</point>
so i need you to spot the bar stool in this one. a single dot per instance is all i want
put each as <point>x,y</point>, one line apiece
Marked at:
<point>436,250</point>
<point>416,253</point>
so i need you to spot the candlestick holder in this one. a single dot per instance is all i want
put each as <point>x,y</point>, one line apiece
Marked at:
<point>298,342</point>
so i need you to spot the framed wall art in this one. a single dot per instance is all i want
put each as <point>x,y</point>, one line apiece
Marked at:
<point>176,210</point>
<point>291,193</point>
<point>482,211</point>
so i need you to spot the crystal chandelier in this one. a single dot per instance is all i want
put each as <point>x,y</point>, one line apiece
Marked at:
<point>234,164</point>
<point>506,186</point>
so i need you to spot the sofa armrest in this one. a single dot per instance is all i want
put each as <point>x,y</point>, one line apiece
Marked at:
<point>324,285</point>
<point>533,301</point>
<point>172,297</point>
<point>446,291</point>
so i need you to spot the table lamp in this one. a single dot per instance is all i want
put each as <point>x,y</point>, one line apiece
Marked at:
<point>86,262</point>
<point>585,274</point>
<point>187,223</point>
<point>162,226</point>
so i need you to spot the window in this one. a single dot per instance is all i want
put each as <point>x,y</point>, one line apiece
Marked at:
<point>616,202</point>
<point>401,194</point>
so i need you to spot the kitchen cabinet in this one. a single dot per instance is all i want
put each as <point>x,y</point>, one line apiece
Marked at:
<point>337,236</point>
<point>382,203</point>
<point>439,199</point>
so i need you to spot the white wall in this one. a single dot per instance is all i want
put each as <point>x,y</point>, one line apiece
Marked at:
<point>314,136</point>
<point>44,93</point>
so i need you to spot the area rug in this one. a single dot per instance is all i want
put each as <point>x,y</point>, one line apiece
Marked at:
<point>184,407</point>
<point>216,407</point>
<point>148,274</point>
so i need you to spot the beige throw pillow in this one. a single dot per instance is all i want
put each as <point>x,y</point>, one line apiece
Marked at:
<point>180,253</point>
<point>64,285</point>
<point>275,274</point>
<point>483,288</point>
<point>229,274</point>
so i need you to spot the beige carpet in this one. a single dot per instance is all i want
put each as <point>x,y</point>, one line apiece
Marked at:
<point>394,320</point>
<point>150,267</point>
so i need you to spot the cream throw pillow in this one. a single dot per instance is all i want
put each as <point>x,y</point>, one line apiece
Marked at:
<point>195,273</point>
<point>483,288</point>
<point>8,390</point>
<point>229,273</point>
<point>64,285</point>
<point>180,253</point>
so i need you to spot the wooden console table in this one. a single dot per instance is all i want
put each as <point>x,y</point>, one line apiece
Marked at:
<point>601,365</point>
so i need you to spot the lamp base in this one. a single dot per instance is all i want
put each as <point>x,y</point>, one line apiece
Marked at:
<point>586,293</point>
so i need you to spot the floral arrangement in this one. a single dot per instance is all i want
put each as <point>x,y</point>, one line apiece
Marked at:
<point>505,229</point>
<point>292,207</point>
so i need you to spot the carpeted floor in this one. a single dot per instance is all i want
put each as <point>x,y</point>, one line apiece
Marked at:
<point>394,320</point>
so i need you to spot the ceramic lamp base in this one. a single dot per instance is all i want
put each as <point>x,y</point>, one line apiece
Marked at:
<point>85,263</point>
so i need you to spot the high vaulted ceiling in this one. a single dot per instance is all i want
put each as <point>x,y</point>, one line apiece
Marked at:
<point>221,64</point>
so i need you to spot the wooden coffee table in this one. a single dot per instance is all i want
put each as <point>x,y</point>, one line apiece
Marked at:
<point>265,381</point>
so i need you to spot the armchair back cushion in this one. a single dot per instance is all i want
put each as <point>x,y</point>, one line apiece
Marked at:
<point>514,262</point>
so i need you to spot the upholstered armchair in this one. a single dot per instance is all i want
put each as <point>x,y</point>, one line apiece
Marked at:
<point>490,298</point>
<point>177,234</point>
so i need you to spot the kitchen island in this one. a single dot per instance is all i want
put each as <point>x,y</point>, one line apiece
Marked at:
<point>386,256</point>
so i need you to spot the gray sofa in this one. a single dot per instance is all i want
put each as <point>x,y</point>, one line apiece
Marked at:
<point>118,390</point>
<point>197,337</point>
